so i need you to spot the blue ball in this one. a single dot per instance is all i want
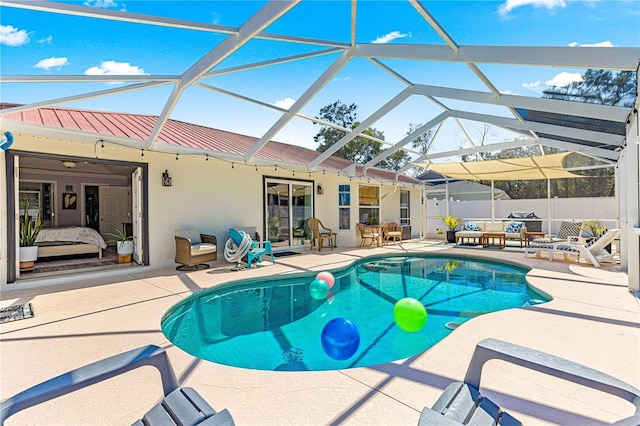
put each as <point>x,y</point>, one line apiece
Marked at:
<point>319,289</point>
<point>340,338</point>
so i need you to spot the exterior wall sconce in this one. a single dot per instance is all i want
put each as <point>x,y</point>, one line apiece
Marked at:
<point>320,189</point>
<point>166,179</point>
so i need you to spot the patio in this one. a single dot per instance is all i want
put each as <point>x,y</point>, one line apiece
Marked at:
<point>593,320</point>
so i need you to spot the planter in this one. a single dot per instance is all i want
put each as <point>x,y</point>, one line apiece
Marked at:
<point>451,236</point>
<point>28,256</point>
<point>125,250</point>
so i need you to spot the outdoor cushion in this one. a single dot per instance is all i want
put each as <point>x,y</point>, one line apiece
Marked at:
<point>203,248</point>
<point>514,227</point>
<point>192,234</point>
<point>494,227</point>
<point>471,226</point>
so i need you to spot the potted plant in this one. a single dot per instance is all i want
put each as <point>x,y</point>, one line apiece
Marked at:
<point>29,229</point>
<point>451,223</point>
<point>595,229</point>
<point>124,245</point>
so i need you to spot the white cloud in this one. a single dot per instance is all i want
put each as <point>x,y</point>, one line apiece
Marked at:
<point>601,44</point>
<point>509,5</point>
<point>48,39</point>
<point>285,103</point>
<point>533,86</point>
<point>115,68</point>
<point>52,62</point>
<point>12,36</point>
<point>564,79</point>
<point>388,38</point>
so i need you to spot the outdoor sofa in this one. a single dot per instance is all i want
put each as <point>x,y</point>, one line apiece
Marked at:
<point>472,230</point>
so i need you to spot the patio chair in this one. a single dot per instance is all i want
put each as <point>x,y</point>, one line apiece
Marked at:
<point>369,232</point>
<point>194,249</point>
<point>391,231</point>
<point>462,403</point>
<point>254,249</point>
<point>319,232</point>
<point>569,229</point>
<point>180,406</point>
<point>594,251</point>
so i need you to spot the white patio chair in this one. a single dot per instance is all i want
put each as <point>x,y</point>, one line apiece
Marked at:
<point>594,251</point>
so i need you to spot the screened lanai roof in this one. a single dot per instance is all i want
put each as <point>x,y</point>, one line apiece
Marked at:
<point>265,70</point>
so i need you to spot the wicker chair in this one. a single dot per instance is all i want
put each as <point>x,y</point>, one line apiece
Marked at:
<point>194,249</point>
<point>369,232</point>
<point>391,232</point>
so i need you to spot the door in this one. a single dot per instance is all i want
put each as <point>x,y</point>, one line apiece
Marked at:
<point>288,207</point>
<point>137,214</point>
<point>115,209</point>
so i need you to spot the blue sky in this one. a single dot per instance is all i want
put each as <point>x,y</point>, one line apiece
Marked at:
<point>38,43</point>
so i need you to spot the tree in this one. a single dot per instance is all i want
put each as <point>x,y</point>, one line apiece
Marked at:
<point>598,87</point>
<point>359,149</point>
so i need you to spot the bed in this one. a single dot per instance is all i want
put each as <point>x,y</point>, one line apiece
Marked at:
<point>69,240</point>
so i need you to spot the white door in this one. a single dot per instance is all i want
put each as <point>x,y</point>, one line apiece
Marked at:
<point>137,214</point>
<point>115,209</point>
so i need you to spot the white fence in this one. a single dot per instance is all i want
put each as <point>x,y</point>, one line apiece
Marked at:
<point>554,211</point>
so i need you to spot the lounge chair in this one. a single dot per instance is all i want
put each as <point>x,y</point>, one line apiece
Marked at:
<point>180,406</point>
<point>462,403</point>
<point>391,232</point>
<point>594,251</point>
<point>194,249</point>
<point>319,232</point>
<point>569,229</point>
<point>254,249</point>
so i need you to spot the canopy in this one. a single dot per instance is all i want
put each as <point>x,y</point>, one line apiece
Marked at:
<point>529,168</point>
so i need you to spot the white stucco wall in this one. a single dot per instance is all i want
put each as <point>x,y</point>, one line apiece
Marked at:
<point>210,196</point>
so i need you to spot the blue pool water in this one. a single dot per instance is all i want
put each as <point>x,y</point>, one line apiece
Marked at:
<point>275,324</point>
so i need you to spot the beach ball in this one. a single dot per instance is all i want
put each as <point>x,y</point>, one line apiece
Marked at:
<point>319,289</point>
<point>327,277</point>
<point>409,314</point>
<point>340,338</point>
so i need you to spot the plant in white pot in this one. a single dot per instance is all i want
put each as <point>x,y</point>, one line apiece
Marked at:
<point>124,245</point>
<point>29,229</point>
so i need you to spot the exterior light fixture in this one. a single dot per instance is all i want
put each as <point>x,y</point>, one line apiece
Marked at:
<point>69,164</point>
<point>166,179</point>
<point>320,189</point>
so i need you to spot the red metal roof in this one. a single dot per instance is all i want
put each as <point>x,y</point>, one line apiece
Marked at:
<point>174,132</point>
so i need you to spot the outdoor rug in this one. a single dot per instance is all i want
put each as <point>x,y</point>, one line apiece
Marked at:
<point>285,253</point>
<point>15,313</point>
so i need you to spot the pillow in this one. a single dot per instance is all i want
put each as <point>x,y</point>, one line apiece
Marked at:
<point>471,226</point>
<point>514,227</point>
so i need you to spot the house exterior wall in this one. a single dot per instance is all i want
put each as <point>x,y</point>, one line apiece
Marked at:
<point>210,196</point>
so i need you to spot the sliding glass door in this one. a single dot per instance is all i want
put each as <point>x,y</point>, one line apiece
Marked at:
<point>289,204</point>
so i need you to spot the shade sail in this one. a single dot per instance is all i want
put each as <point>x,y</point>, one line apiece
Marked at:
<point>528,168</point>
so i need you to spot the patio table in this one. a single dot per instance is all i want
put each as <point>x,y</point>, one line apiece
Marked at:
<point>493,235</point>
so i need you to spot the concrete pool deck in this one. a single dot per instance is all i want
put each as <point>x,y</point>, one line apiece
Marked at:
<point>593,320</point>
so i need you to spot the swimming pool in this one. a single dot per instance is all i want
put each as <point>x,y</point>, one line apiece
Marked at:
<point>275,324</point>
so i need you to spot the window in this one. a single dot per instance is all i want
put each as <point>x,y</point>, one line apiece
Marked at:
<point>369,205</point>
<point>404,208</point>
<point>344,203</point>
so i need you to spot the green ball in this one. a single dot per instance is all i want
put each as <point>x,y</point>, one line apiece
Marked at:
<point>319,289</point>
<point>409,314</point>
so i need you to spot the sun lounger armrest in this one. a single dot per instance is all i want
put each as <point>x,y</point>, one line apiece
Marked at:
<point>428,417</point>
<point>90,374</point>
<point>489,349</point>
